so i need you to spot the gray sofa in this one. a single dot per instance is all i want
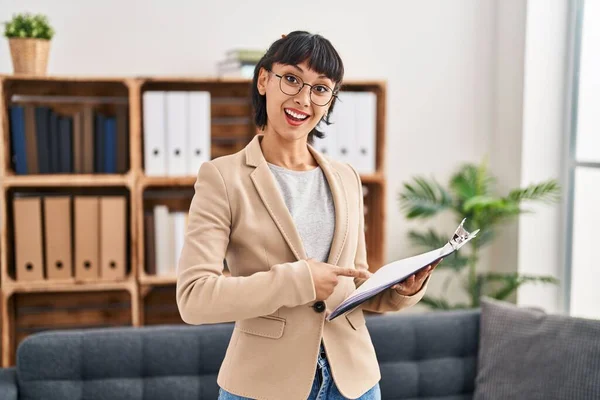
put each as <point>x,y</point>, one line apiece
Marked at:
<point>422,356</point>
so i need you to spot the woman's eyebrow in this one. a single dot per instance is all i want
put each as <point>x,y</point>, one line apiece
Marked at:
<point>301,70</point>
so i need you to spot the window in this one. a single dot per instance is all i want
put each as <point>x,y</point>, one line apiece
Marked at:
<point>583,233</point>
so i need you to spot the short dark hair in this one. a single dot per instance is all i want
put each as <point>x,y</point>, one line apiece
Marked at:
<point>293,49</point>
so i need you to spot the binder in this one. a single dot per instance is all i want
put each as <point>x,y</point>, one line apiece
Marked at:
<point>18,141</point>
<point>179,230</point>
<point>99,142</point>
<point>65,146</point>
<point>328,145</point>
<point>57,228</point>
<point>86,213</point>
<point>27,213</point>
<point>365,129</point>
<point>54,142</point>
<point>164,246</point>
<point>42,122</point>
<point>177,104</point>
<point>122,138</point>
<point>78,142</point>
<point>110,146</point>
<point>150,246</point>
<point>113,227</point>
<point>31,140</point>
<point>155,140</point>
<point>345,127</point>
<point>199,130</point>
<point>88,140</point>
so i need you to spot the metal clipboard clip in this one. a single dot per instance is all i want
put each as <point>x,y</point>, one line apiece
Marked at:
<point>461,236</point>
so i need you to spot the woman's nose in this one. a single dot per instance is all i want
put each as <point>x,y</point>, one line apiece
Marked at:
<point>303,96</point>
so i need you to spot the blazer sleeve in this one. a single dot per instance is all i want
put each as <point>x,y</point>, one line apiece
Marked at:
<point>204,294</point>
<point>388,300</point>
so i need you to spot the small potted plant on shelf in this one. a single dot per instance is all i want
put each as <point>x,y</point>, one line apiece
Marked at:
<point>29,39</point>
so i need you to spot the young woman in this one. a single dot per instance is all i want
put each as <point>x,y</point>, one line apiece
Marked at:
<point>290,224</point>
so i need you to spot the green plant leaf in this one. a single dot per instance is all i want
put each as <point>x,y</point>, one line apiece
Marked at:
<point>438,304</point>
<point>429,240</point>
<point>455,262</point>
<point>509,282</point>
<point>442,304</point>
<point>548,192</point>
<point>482,202</point>
<point>470,181</point>
<point>26,25</point>
<point>424,198</point>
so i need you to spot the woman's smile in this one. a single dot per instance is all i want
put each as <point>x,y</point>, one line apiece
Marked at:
<point>295,117</point>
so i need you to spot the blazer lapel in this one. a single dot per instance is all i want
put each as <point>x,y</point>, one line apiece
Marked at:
<point>273,200</point>
<point>340,202</point>
<point>271,197</point>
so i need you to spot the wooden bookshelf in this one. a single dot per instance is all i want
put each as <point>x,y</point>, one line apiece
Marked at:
<point>140,298</point>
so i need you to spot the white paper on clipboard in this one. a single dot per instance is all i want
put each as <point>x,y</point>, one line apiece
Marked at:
<point>397,271</point>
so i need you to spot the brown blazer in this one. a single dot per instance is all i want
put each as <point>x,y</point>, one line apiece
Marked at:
<point>238,214</point>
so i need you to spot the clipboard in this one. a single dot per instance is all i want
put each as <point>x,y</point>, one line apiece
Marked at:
<point>397,271</point>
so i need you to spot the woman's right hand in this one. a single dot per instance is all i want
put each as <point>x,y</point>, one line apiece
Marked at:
<point>325,276</point>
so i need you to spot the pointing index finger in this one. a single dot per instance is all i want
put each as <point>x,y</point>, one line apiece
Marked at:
<point>354,273</point>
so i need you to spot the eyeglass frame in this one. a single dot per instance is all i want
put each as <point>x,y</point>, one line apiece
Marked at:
<point>333,92</point>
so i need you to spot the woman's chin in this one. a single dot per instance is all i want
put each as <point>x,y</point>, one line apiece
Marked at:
<point>291,135</point>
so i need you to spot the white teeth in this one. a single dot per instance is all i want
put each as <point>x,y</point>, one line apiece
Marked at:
<point>296,115</point>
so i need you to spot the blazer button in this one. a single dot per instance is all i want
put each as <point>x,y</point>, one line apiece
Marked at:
<point>319,306</point>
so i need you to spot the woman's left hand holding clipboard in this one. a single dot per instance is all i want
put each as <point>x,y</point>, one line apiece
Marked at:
<point>414,283</point>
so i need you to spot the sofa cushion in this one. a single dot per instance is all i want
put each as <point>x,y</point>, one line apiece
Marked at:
<point>426,356</point>
<point>525,353</point>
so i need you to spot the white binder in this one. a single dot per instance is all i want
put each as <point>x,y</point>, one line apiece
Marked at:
<point>163,231</point>
<point>177,132</point>
<point>199,131</point>
<point>366,127</point>
<point>179,229</point>
<point>328,145</point>
<point>154,133</point>
<point>345,124</point>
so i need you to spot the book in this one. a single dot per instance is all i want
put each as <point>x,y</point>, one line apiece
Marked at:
<point>397,271</point>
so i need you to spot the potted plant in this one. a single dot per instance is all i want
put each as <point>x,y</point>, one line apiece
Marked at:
<point>470,195</point>
<point>29,39</point>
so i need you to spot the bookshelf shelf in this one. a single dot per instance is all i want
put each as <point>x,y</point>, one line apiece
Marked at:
<point>140,298</point>
<point>167,181</point>
<point>70,285</point>
<point>152,280</point>
<point>70,180</point>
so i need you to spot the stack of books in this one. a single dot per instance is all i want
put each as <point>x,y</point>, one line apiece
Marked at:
<point>239,63</point>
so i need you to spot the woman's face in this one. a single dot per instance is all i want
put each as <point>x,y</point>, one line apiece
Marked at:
<point>293,116</point>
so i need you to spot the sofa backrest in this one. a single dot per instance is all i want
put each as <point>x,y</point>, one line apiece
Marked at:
<point>146,363</point>
<point>427,355</point>
<point>422,356</point>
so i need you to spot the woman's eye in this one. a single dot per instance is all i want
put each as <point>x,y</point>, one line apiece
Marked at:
<point>291,78</point>
<point>321,89</point>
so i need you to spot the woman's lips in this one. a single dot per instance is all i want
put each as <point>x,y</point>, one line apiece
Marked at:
<point>295,122</point>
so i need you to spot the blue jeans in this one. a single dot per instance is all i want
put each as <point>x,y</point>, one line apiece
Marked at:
<point>323,387</point>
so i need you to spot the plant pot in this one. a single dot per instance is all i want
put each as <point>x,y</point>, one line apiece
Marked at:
<point>29,56</point>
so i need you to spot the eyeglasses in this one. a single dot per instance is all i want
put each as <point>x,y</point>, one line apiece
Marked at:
<point>291,85</point>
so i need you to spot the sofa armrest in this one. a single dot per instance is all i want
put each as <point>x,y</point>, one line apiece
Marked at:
<point>8,383</point>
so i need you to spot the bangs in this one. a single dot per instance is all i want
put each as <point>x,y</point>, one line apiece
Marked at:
<point>315,50</point>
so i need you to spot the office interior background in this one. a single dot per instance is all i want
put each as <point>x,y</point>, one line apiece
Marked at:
<point>513,82</point>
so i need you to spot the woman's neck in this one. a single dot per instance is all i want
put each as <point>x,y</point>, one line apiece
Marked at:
<point>292,155</point>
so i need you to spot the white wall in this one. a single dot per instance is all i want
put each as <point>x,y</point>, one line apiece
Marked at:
<point>454,69</point>
<point>505,158</point>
